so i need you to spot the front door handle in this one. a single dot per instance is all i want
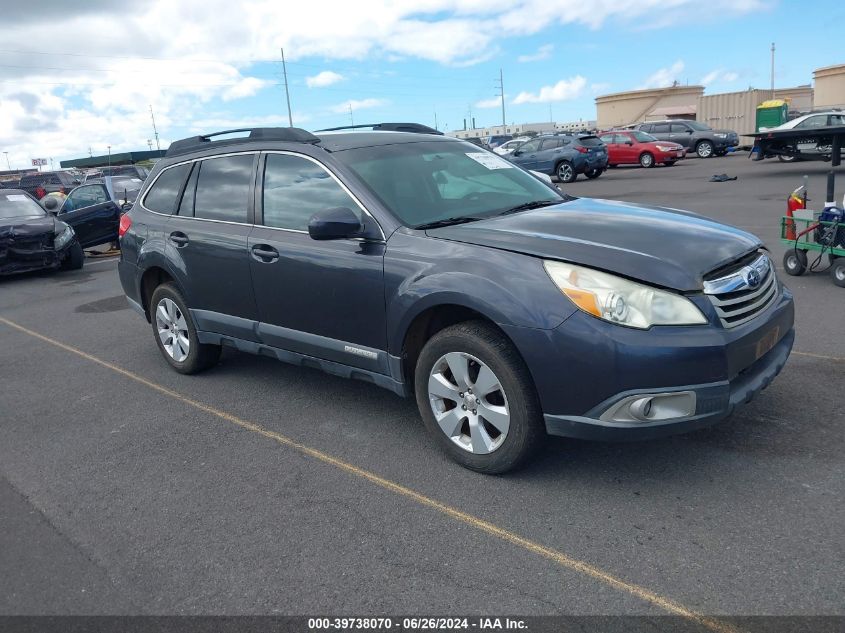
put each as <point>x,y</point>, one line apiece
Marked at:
<point>179,239</point>
<point>264,253</point>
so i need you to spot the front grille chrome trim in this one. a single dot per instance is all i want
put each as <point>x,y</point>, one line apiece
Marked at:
<point>737,301</point>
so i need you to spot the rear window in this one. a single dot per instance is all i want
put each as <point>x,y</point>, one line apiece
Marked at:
<point>223,187</point>
<point>590,141</point>
<point>164,193</point>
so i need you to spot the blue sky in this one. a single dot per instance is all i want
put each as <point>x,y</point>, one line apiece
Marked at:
<point>212,65</point>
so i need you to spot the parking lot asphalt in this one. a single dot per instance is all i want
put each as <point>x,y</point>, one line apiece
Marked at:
<point>261,488</point>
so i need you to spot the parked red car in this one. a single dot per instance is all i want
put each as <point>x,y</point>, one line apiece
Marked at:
<point>629,147</point>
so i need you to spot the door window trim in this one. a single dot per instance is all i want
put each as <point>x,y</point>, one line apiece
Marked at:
<point>259,191</point>
<point>182,188</point>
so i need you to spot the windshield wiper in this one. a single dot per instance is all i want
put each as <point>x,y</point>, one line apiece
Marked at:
<point>527,206</point>
<point>448,222</point>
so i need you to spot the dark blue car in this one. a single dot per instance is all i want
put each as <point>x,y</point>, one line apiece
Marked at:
<point>438,270</point>
<point>563,155</point>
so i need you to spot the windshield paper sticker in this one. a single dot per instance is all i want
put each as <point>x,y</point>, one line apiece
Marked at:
<point>16,197</point>
<point>490,161</point>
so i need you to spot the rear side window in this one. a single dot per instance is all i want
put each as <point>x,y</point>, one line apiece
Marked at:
<point>223,188</point>
<point>679,127</point>
<point>551,143</point>
<point>295,189</point>
<point>647,127</point>
<point>164,193</point>
<point>659,128</point>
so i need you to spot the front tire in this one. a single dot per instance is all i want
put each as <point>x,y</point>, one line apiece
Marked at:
<point>565,172</point>
<point>75,258</point>
<point>795,262</point>
<point>704,149</point>
<point>477,399</point>
<point>646,160</point>
<point>176,335</point>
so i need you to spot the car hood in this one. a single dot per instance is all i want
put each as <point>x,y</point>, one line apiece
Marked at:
<point>671,144</point>
<point>664,247</point>
<point>27,228</point>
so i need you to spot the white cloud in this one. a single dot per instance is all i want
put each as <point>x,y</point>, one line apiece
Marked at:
<point>203,52</point>
<point>544,52</point>
<point>664,77</point>
<point>495,102</point>
<point>563,90</point>
<point>357,104</point>
<point>719,76</point>
<point>323,79</point>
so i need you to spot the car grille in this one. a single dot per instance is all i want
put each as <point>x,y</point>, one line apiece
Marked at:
<point>743,290</point>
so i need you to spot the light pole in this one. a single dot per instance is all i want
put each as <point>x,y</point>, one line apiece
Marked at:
<point>109,157</point>
<point>150,144</point>
<point>8,164</point>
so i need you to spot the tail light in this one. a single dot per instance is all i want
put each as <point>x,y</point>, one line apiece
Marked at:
<point>581,149</point>
<point>125,224</point>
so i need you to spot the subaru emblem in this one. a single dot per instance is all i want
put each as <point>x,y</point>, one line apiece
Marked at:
<point>751,277</point>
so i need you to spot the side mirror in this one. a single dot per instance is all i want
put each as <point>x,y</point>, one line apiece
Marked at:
<point>629,142</point>
<point>689,131</point>
<point>516,152</point>
<point>334,224</point>
<point>50,204</point>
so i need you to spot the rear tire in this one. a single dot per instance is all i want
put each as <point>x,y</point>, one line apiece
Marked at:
<point>795,262</point>
<point>837,272</point>
<point>75,258</point>
<point>786,159</point>
<point>704,149</point>
<point>508,425</point>
<point>646,160</point>
<point>171,321</point>
<point>565,172</point>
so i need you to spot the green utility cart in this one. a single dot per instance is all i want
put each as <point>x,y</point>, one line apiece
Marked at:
<point>800,237</point>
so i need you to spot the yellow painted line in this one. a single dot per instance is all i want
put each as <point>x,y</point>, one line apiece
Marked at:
<point>822,356</point>
<point>548,553</point>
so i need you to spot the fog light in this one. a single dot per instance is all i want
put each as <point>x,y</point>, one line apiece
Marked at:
<point>641,409</point>
<point>652,407</point>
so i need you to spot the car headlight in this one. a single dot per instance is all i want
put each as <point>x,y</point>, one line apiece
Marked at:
<point>621,301</point>
<point>666,148</point>
<point>63,238</point>
<point>721,135</point>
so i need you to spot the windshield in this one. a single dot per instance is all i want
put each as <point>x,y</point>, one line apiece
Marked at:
<point>695,125</point>
<point>18,205</point>
<point>642,137</point>
<point>129,186</point>
<point>425,182</point>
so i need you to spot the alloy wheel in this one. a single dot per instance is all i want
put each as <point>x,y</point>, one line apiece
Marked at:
<point>469,403</point>
<point>172,330</point>
<point>564,172</point>
<point>704,150</point>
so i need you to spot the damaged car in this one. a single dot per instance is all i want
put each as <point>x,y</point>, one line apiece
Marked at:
<point>32,239</point>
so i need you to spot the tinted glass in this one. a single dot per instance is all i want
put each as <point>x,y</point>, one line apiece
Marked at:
<point>295,189</point>
<point>679,128</point>
<point>85,196</point>
<point>164,192</point>
<point>18,205</point>
<point>551,143</point>
<point>186,207</point>
<point>590,141</point>
<point>659,128</point>
<point>429,181</point>
<point>642,137</point>
<point>223,188</point>
<point>530,146</point>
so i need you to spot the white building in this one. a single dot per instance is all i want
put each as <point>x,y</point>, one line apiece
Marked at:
<point>516,129</point>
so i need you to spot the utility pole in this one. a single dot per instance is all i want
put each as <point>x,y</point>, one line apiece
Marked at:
<point>287,91</point>
<point>502,94</point>
<point>155,131</point>
<point>435,120</point>
<point>773,70</point>
<point>351,120</point>
<point>90,153</point>
<point>109,157</point>
<point>8,164</point>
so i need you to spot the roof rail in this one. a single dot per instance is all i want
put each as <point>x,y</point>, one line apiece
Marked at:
<point>289,134</point>
<point>417,128</point>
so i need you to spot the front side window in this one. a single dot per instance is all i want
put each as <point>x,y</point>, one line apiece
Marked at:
<point>296,188</point>
<point>811,122</point>
<point>164,193</point>
<point>679,128</point>
<point>429,181</point>
<point>530,146</point>
<point>85,196</point>
<point>611,138</point>
<point>223,188</point>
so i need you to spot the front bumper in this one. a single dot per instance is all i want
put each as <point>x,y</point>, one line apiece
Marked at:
<point>15,258</point>
<point>586,367</point>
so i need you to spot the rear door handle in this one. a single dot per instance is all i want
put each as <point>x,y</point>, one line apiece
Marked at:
<point>179,238</point>
<point>264,253</point>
